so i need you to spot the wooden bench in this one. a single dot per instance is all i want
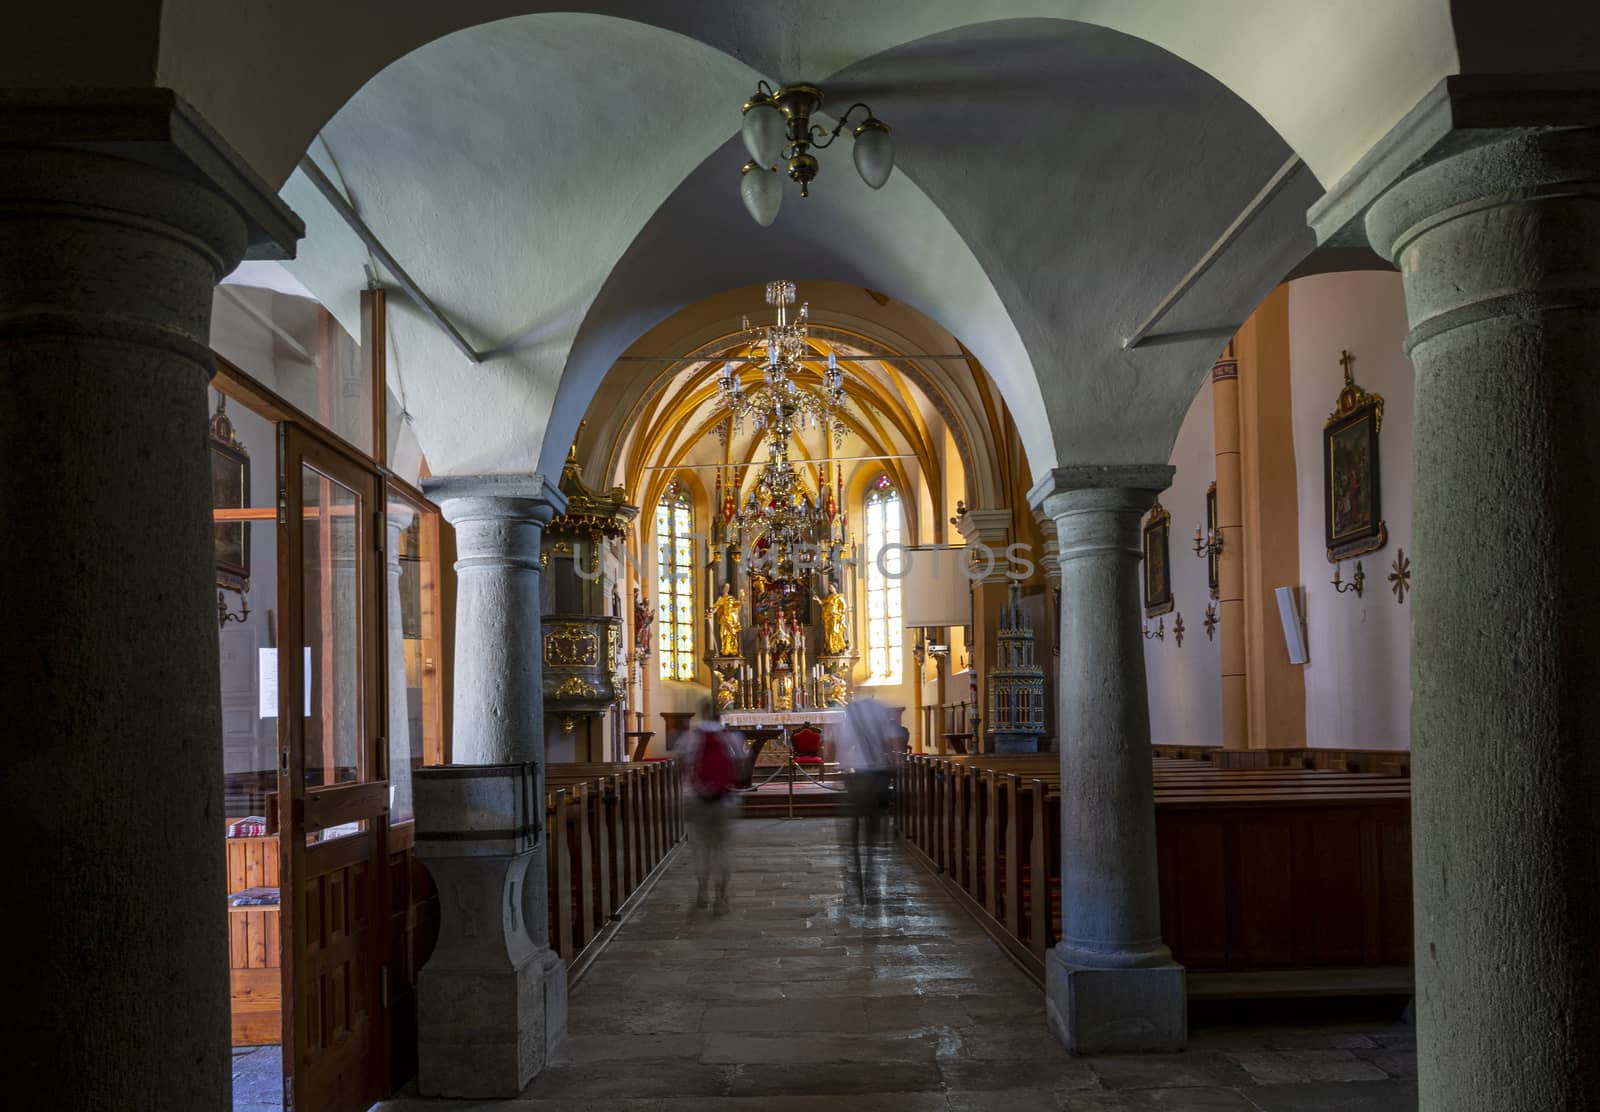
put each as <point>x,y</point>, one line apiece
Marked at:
<point>608,828</point>
<point>1274,880</point>
<point>255,958</point>
<point>1386,762</point>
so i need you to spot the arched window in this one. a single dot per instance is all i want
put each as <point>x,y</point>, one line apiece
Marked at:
<point>884,633</point>
<point>675,622</point>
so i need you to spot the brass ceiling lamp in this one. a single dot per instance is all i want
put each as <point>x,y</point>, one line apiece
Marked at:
<point>777,127</point>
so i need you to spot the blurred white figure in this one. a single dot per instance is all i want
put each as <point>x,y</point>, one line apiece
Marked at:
<point>866,742</point>
<point>711,758</point>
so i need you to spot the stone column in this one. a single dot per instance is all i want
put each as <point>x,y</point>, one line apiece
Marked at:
<point>1230,562</point>
<point>1111,984</point>
<point>499,667</point>
<point>111,791</point>
<point>1497,234</point>
<point>1050,656</point>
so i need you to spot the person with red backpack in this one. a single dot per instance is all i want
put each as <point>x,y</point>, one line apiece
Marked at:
<point>711,758</point>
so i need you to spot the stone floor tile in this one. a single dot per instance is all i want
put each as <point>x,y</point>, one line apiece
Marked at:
<point>820,1049</point>
<point>855,1078</point>
<point>1003,1100</point>
<point>794,1018</point>
<point>1398,1062</point>
<point>1186,1099</point>
<point>1274,1067</point>
<point>578,1049</point>
<point>1347,1096</point>
<point>912,1010</point>
<point>1007,1042</point>
<point>1337,1040</point>
<point>1153,1071</point>
<point>644,1077</point>
<point>966,1074</point>
<point>627,1014</point>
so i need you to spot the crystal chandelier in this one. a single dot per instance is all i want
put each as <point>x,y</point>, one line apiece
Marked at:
<point>780,509</point>
<point>779,405</point>
<point>777,126</point>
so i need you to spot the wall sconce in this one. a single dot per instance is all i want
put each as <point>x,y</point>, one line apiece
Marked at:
<point>1177,630</point>
<point>1207,544</point>
<point>1213,620</point>
<point>1159,633</point>
<point>223,614</point>
<point>1355,584</point>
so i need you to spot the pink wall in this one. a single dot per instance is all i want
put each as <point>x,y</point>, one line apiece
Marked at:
<point>1185,681</point>
<point>1358,690</point>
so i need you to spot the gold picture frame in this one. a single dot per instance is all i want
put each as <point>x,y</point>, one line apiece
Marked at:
<point>230,490</point>
<point>1213,545</point>
<point>1157,562</point>
<point>1352,489</point>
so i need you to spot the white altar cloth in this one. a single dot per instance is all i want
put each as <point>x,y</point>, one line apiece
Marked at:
<point>756,719</point>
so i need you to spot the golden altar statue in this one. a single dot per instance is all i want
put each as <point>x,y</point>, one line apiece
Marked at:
<point>835,623</point>
<point>724,613</point>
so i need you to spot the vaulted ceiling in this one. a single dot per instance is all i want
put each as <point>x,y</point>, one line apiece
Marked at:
<point>561,183</point>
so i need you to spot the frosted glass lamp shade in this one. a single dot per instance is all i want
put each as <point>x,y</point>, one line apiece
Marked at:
<point>764,130</point>
<point>762,192</point>
<point>874,152</point>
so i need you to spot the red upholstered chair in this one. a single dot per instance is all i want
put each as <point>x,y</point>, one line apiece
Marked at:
<point>807,744</point>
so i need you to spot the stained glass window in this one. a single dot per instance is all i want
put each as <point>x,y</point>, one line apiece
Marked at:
<point>884,629</point>
<point>675,621</point>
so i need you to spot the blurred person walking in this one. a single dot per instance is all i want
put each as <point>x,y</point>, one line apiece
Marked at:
<point>864,746</point>
<point>711,758</point>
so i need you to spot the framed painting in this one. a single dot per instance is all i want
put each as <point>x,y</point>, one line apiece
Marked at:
<point>1157,562</point>
<point>1352,492</point>
<point>1213,554</point>
<point>230,490</point>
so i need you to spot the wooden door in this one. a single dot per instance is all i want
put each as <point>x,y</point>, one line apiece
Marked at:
<point>333,790</point>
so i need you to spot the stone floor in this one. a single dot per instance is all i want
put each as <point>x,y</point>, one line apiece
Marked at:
<point>257,1079</point>
<point>803,997</point>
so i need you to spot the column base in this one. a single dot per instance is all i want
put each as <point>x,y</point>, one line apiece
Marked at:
<point>483,1034</point>
<point>555,999</point>
<point>1116,1011</point>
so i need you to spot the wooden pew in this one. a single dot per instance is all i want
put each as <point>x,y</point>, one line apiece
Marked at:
<point>1274,880</point>
<point>609,826</point>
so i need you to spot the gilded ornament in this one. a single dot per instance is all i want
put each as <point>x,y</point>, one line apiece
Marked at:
<point>571,645</point>
<point>1400,576</point>
<point>574,687</point>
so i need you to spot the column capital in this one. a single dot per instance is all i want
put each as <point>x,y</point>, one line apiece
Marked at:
<point>1463,111</point>
<point>990,527</point>
<point>526,496</point>
<point>1112,487</point>
<point>159,129</point>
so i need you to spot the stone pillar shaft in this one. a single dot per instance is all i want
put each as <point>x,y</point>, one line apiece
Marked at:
<point>1500,250</point>
<point>1112,983</point>
<point>112,793</point>
<point>499,667</point>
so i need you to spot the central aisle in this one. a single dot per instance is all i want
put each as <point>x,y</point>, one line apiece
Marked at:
<point>800,990</point>
<point>802,998</point>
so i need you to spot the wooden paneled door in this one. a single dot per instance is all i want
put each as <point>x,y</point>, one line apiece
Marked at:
<point>333,788</point>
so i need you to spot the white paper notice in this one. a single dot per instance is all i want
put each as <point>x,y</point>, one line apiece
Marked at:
<point>267,662</point>
<point>268,702</point>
